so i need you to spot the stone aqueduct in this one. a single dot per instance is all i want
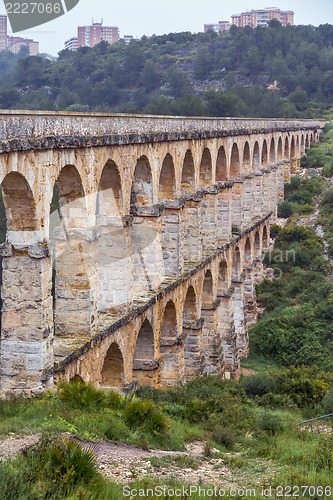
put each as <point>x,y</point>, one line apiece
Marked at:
<point>147,270</point>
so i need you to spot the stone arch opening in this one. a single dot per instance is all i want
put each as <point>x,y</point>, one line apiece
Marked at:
<point>207,290</point>
<point>190,305</point>
<point>144,353</point>
<point>246,156</point>
<point>264,153</point>
<point>206,168</point>
<point>256,155</point>
<point>67,246</point>
<point>188,173</point>
<point>19,203</point>
<point>236,264</point>
<point>223,281</point>
<point>286,149</point>
<point>109,196</point>
<point>169,323</point>
<point>68,193</point>
<point>144,347</point>
<point>307,142</point>
<point>170,346</point>
<point>272,157</point>
<point>221,165</point>
<point>280,150</point>
<point>292,148</point>
<point>113,367</point>
<point>265,240</point>
<point>248,252</point>
<point>192,336</point>
<point>234,162</point>
<point>257,245</point>
<point>167,184</point>
<point>142,184</point>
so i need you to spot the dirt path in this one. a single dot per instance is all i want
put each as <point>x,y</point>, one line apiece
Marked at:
<point>124,463</point>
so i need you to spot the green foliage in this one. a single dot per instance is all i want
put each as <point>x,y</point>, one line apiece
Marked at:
<point>52,469</point>
<point>258,385</point>
<point>300,196</point>
<point>328,402</point>
<point>160,70</point>
<point>81,395</point>
<point>285,209</point>
<point>144,414</point>
<point>270,423</point>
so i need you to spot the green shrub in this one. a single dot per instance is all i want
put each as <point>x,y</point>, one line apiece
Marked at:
<point>328,403</point>
<point>116,430</point>
<point>139,413</point>
<point>52,469</point>
<point>327,199</point>
<point>81,395</point>
<point>114,400</point>
<point>258,385</point>
<point>270,423</point>
<point>272,400</point>
<point>285,209</point>
<point>223,436</point>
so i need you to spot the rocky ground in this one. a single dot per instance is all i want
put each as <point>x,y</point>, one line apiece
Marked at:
<point>123,463</point>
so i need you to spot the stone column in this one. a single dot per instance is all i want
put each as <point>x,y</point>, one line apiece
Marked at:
<point>237,205</point>
<point>248,200</point>
<point>287,171</point>
<point>257,192</point>
<point>238,304</point>
<point>147,256</point>
<point>251,312</point>
<point>273,183</point>
<point>193,348</point>
<point>280,180</point>
<point>191,221</point>
<point>114,266</point>
<point>227,334</point>
<point>224,213</point>
<point>147,372</point>
<point>266,191</point>
<point>209,221</point>
<point>172,365</point>
<point>212,346</point>
<point>172,239</point>
<point>258,270</point>
<point>26,346</point>
<point>76,283</point>
<point>295,164</point>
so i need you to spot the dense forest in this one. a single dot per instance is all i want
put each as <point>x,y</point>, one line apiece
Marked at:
<point>269,72</point>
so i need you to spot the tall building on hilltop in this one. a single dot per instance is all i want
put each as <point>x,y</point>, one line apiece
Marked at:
<point>3,32</point>
<point>89,36</point>
<point>262,17</point>
<point>14,43</point>
<point>254,18</point>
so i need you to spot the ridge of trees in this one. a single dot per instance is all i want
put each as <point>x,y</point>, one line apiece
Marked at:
<point>183,73</point>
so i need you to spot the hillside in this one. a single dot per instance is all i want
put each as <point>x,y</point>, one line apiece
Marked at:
<point>183,73</point>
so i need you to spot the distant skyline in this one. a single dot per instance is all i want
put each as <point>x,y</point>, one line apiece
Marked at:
<point>149,17</point>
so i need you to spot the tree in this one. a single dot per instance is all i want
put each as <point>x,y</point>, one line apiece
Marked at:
<point>203,64</point>
<point>150,76</point>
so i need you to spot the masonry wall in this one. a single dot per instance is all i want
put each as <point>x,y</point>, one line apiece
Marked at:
<point>147,270</point>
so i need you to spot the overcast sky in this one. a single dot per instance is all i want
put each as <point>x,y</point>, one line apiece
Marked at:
<point>146,17</point>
